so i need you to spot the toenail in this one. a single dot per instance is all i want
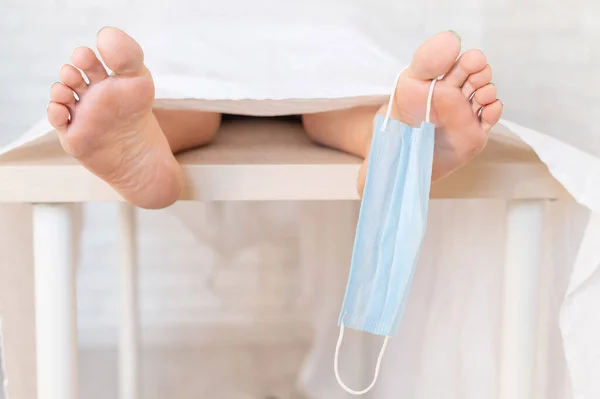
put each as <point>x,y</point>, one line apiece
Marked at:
<point>455,34</point>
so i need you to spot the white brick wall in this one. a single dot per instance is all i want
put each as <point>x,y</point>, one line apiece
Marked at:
<point>207,315</point>
<point>191,292</point>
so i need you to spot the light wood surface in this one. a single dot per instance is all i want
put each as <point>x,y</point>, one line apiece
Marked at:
<point>269,160</point>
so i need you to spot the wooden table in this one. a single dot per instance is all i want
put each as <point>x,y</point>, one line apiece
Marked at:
<point>259,160</point>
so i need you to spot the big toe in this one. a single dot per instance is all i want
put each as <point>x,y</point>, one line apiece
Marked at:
<point>436,56</point>
<point>121,53</point>
<point>472,65</point>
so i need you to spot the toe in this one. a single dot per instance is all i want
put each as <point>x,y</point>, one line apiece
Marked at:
<point>483,96</point>
<point>61,94</point>
<point>469,63</point>
<point>436,56</point>
<point>72,78</point>
<point>490,115</point>
<point>477,80</point>
<point>58,116</point>
<point>121,53</point>
<point>85,59</point>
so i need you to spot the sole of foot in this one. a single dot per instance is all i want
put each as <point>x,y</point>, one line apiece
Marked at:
<point>464,105</point>
<point>107,124</point>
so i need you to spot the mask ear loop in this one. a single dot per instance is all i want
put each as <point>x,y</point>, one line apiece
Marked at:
<point>388,112</point>
<point>391,102</point>
<point>336,365</point>
<point>429,100</point>
<point>385,341</point>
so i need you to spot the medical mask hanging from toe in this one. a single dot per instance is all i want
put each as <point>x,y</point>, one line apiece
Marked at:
<point>391,226</point>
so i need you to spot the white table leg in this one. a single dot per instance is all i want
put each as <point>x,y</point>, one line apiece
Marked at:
<point>520,298</point>
<point>55,301</point>
<point>129,323</point>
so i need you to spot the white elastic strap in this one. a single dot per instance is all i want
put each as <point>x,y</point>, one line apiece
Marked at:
<point>336,365</point>
<point>429,99</point>
<point>391,102</point>
<point>388,113</point>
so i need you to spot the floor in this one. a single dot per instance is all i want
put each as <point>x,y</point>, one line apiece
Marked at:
<point>227,372</point>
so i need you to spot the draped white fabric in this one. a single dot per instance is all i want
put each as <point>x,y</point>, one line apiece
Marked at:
<point>315,55</point>
<point>448,345</point>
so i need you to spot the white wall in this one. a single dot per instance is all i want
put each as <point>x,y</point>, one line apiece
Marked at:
<point>35,39</point>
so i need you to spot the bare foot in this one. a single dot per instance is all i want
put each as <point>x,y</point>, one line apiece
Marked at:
<point>464,106</point>
<point>109,126</point>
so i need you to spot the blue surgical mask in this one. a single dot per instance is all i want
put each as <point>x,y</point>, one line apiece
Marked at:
<point>391,226</point>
